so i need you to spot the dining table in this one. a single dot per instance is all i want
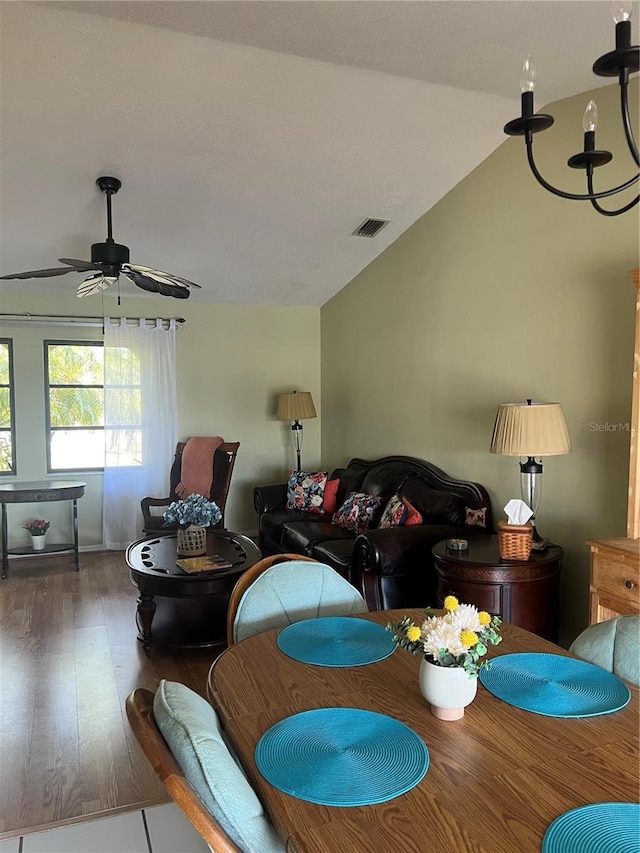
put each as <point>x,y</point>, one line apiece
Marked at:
<point>496,779</point>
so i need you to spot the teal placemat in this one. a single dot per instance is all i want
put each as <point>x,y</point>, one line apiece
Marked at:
<point>336,641</point>
<point>601,828</point>
<point>555,685</point>
<point>342,757</point>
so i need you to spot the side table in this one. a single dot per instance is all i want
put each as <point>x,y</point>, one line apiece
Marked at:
<point>34,492</point>
<point>181,610</point>
<point>524,593</point>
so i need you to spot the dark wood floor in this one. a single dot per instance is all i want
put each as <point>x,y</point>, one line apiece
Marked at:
<point>68,659</point>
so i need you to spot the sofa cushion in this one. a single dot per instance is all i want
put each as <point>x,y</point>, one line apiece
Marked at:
<point>299,537</point>
<point>330,496</point>
<point>384,480</point>
<point>350,481</point>
<point>475,517</point>
<point>305,490</point>
<point>394,514</point>
<point>358,512</point>
<point>435,507</point>
<point>413,517</point>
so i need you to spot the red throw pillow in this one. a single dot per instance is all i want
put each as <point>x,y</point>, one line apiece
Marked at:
<point>413,516</point>
<point>330,496</point>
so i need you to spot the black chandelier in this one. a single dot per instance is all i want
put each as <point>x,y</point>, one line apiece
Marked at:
<point>621,62</point>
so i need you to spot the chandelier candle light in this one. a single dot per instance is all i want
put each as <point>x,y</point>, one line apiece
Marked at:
<point>620,63</point>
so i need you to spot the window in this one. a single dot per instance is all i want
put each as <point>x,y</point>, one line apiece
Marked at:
<point>74,377</point>
<point>7,425</point>
<point>89,416</point>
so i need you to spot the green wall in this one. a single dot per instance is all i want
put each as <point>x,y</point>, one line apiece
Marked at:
<point>232,361</point>
<point>500,292</point>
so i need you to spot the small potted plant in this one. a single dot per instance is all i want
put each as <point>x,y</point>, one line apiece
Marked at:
<point>451,646</point>
<point>192,515</point>
<point>38,529</point>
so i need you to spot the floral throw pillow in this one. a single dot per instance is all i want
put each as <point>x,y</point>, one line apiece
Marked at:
<point>357,512</point>
<point>476,517</point>
<point>394,514</point>
<point>305,490</point>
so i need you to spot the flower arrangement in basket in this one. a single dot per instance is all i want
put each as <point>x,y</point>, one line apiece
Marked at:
<point>37,527</point>
<point>192,515</point>
<point>459,638</point>
<point>195,510</point>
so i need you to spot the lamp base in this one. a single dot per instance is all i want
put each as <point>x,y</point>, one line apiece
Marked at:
<point>537,541</point>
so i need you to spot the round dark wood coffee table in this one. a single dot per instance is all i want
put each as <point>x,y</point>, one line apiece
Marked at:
<point>178,609</point>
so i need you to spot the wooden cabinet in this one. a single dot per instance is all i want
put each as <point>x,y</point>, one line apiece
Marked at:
<point>615,563</point>
<point>614,587</point>
<point>524,592</point>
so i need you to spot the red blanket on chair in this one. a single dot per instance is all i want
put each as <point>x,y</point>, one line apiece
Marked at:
<point>196,470</point>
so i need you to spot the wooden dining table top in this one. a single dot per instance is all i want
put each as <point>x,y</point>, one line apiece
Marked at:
<point>497,778</point>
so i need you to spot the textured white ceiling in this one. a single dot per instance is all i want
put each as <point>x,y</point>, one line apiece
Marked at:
<point>253,137</point>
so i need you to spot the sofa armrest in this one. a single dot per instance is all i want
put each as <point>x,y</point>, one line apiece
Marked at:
<point>266,498</point>
<point>395,564</point>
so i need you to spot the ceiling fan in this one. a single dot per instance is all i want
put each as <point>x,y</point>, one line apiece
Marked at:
<point>109,259</point>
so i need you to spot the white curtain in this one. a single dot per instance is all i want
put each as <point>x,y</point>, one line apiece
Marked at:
<point>141,424</point>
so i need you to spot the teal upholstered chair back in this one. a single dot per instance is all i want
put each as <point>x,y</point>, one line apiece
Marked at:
<point>290,592</point>
<point>614,645</point>
<point>192,731</point>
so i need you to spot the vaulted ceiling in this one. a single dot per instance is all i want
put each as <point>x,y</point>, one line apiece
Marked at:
<point>253,137</point>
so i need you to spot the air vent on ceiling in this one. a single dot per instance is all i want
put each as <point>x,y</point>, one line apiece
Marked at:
<point>370,227</point>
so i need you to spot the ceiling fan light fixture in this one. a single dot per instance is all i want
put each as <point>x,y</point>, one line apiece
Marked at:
<point>109,259</point>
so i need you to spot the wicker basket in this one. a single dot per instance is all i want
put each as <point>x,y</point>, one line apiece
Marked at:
<point>515,540</point>
<point>191,541</point>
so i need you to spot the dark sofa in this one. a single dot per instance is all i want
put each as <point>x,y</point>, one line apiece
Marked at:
<point>392,567</point>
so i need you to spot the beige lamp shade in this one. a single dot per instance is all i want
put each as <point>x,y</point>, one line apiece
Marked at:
<point>523,429</point>
<point>295,406</point>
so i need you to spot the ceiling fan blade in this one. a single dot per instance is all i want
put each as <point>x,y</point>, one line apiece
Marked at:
<point>154,284</point>
<point>94,284</point>
<point>39,273</point>
<point>81,266</point>
<point>168,277</point>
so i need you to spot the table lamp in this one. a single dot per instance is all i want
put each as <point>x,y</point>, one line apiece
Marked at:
<point>531,430</point>
<point>295,407</point>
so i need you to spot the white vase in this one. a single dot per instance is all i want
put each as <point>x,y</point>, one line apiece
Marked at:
<point>38,543</point>
<point>191,541</point>
<point>448,689</point>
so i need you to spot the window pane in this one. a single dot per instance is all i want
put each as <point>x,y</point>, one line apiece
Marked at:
<point>124,447</point>
<point>6,451</point>
<point>76,407</point>
<point>123,406</point>
<point>4,364</point>
<point>75,364</point>
<point>77,448</point>
<point>5,408</point>
<point>121,365</point>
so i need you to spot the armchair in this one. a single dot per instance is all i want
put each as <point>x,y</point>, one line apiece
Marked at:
<point>224,460</point>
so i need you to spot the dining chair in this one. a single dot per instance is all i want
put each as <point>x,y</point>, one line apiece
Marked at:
<point>181,736</point>
<point>287,588</point>
<point>224,459</point>
<point>614,645</point>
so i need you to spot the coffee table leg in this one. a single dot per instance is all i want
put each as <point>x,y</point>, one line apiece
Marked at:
<point>146,609</point>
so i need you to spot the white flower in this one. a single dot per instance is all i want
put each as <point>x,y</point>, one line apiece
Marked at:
<point>442,635</point>
<point>466,618</point>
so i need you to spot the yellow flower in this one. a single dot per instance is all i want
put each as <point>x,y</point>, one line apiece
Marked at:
<point>484,618</point>
<point>413,633</point>
<point>451,603</point>
<point>468,638</point>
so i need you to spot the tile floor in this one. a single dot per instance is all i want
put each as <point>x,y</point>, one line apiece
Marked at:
<point>161,829</point>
